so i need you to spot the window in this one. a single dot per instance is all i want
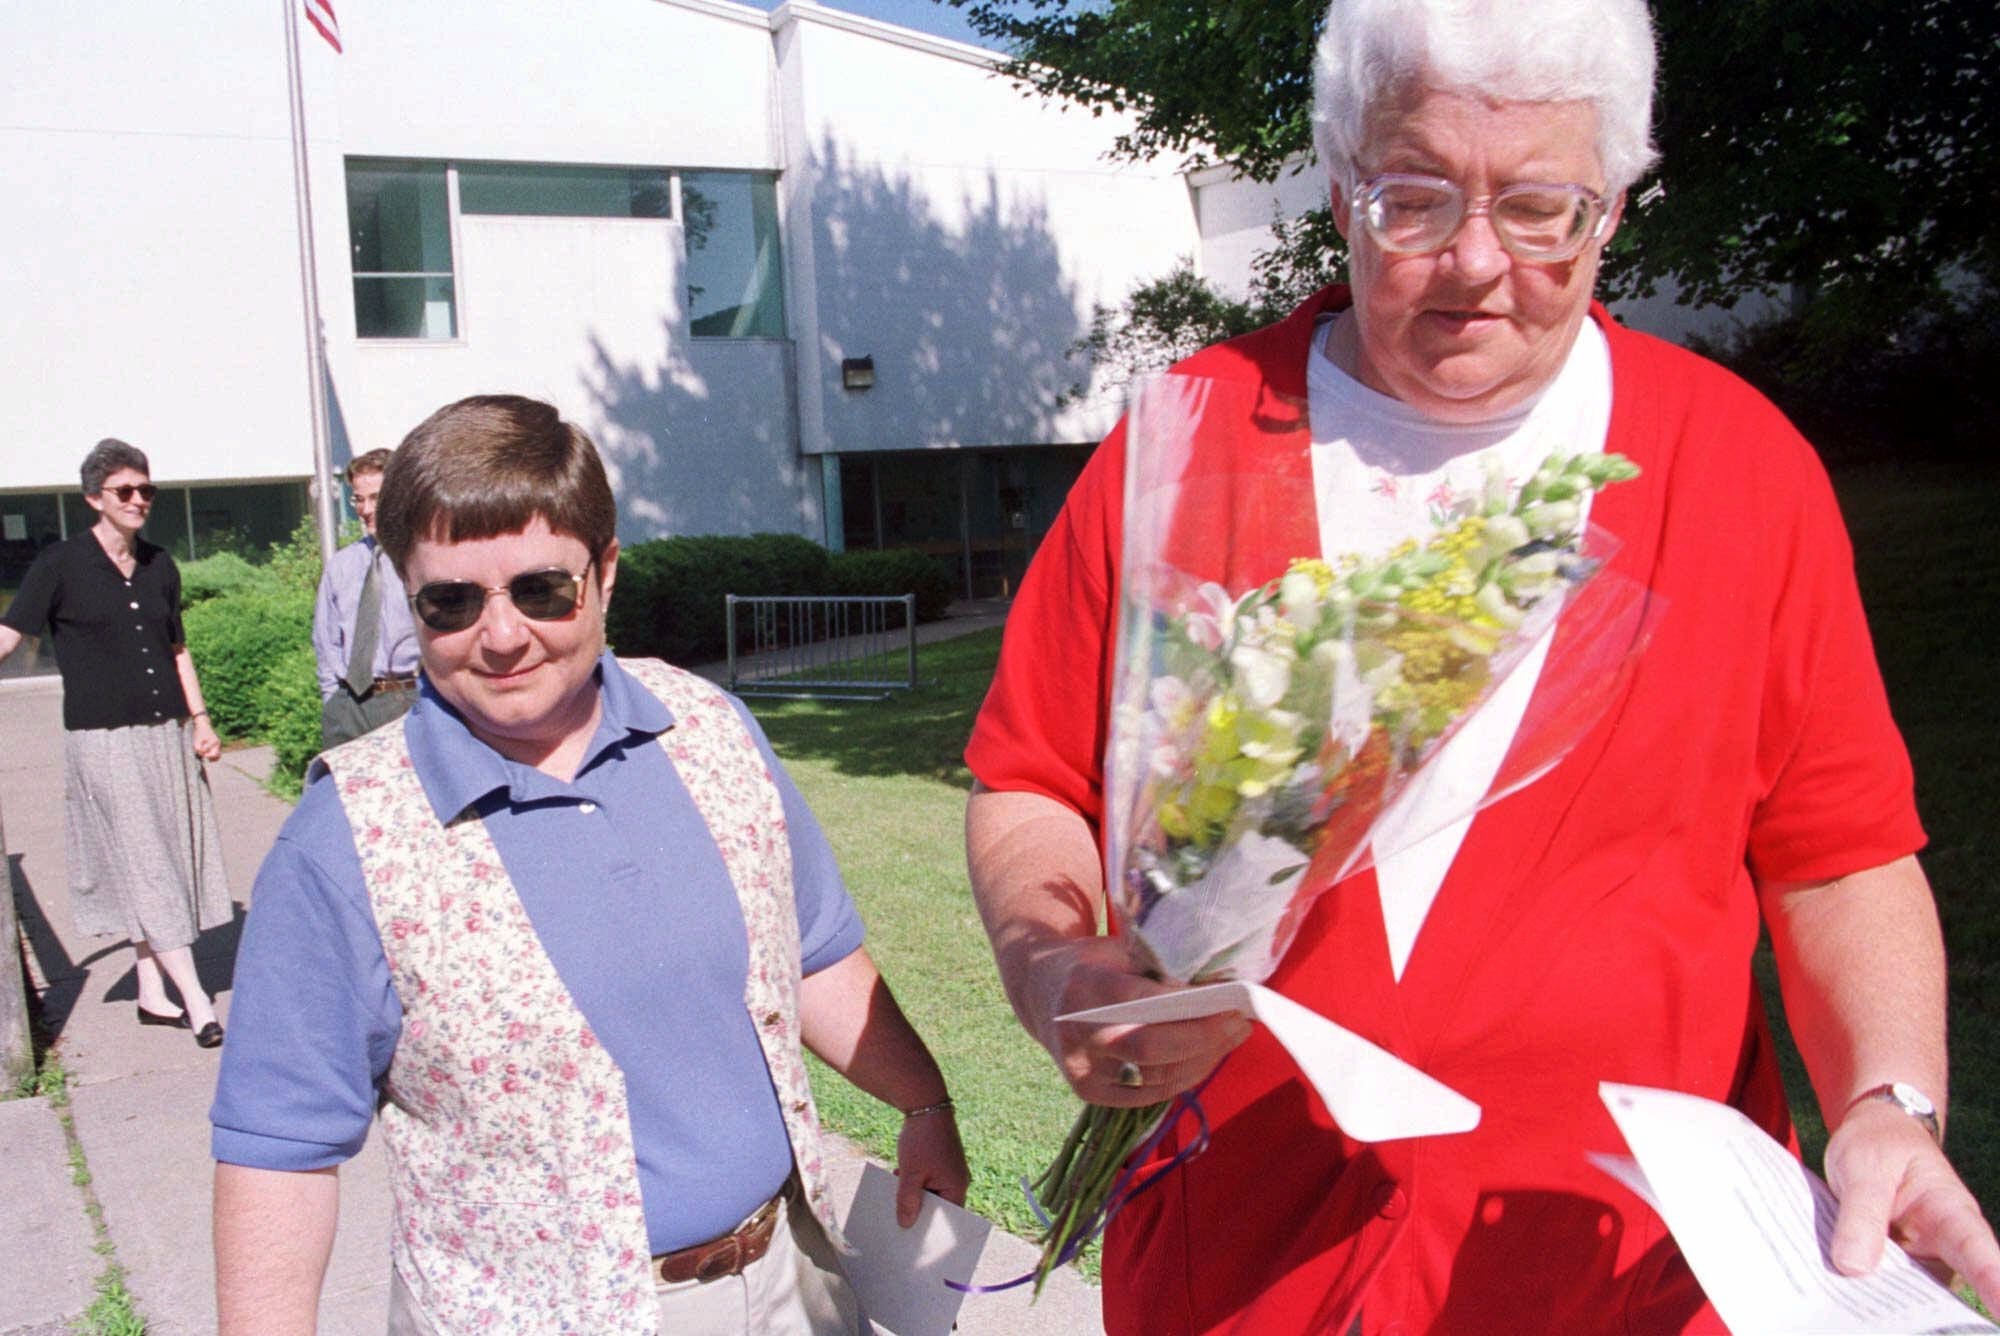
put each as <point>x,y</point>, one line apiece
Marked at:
<point>735,289</point>
<point>402,217</point>
<point>565,192</point>
<point>399,224</point>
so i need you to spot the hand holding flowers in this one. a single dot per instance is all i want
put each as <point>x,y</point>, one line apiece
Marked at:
<point>1258,737</point>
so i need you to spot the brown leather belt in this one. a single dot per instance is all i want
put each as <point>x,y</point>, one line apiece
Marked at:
<point>393,684</point>
<point>725,1256</point>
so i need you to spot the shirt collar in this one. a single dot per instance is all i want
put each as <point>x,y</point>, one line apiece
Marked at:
<point>457,770</point>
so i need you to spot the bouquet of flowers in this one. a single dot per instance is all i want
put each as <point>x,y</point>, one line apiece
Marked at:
<point>1262,724</point>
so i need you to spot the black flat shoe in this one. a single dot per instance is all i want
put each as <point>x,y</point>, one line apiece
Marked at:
<point>210,1035</point>
<point>177,1021</point>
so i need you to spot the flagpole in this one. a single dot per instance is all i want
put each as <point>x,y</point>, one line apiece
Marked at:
<point>325,509</point>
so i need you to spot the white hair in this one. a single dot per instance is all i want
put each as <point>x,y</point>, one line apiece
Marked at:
<point>1595,51</point>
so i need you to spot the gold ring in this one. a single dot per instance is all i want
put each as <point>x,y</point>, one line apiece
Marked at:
<point>1129,1076</point>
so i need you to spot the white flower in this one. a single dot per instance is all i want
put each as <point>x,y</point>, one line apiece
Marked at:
<point>1348,719</point>
<point>1299,593</point>
<point>1492,600</point>
<point>1238,901</point>
<point>1533,576</point>
<point>1213,618</point>
<point>1262,674</point>
<point>1550,519</point>
<point>1503,534</point>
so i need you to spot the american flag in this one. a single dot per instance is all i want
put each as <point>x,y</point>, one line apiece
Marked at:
<point>319,13</point>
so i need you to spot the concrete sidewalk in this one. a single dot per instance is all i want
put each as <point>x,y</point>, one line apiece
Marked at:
<point>140,1099</point>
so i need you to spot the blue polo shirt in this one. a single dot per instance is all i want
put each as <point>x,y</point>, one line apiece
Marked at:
<point>630,899</point>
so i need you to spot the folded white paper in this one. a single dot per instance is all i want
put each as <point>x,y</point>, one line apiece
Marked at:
<point>1371,1093</point>
<point>899,1274</point>
<point>1755,1225</point>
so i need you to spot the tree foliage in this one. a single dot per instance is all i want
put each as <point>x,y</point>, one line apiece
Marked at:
<point>1847,145</point>
<point>1176,315</point>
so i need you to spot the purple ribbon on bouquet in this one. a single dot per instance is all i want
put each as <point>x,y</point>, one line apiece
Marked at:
<point>1133,1182</point>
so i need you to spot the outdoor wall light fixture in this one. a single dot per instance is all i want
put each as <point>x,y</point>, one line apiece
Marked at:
<point>857,373</point>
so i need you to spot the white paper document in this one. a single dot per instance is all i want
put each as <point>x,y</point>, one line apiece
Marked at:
<point>1755,1225</point>
<point>899,1274</point>
<point>1372,1094</point>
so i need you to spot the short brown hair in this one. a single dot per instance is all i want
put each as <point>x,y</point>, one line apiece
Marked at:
<point>487,466</point>
<point>375,461</point>
<point>106,458</point>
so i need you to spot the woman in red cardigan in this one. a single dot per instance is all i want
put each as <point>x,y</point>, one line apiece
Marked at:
<point>1597,925</point>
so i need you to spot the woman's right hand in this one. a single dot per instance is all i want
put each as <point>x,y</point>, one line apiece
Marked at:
<point>1038,882</point>
<point>207,744</point>
<point>1171,1056</point>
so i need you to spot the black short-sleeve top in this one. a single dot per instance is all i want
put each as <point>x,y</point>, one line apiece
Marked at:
<point>115,638</point>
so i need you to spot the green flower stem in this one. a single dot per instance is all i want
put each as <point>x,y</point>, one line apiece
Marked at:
<point>1080,1179</point>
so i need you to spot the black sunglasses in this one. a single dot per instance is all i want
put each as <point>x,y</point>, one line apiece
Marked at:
<point>124,491</point>
<point>541,596</point>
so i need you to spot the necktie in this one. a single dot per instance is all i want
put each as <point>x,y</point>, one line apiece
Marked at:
<point>367,630</point>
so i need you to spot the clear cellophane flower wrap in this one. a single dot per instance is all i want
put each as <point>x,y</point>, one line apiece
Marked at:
<point>1271,702</point>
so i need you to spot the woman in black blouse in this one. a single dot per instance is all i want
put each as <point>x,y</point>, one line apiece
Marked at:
<point>145,859</point>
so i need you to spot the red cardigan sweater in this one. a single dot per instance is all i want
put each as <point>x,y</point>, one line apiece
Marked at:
<point>1597,925</point>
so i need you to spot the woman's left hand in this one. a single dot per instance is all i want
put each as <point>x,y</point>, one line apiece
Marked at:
<point>929,1158</point>
<point>206,744</point>
<point>1892,1180</point>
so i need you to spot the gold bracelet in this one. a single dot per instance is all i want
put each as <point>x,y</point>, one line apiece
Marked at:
<point>942,1106</point>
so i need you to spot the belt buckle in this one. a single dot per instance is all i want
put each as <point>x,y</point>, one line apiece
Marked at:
<point>726,1256</point>
<point>725,1260</point>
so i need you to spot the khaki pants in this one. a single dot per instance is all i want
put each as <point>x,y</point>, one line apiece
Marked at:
<point>794,1289</point>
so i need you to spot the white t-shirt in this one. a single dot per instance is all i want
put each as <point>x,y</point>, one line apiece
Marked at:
<point>1382,473</point>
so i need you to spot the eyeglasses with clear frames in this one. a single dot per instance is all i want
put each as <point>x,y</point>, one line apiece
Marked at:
<point>1537,222</point>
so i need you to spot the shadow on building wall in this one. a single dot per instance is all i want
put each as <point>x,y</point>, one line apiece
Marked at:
<point>967,313</point>
<point>969,325</point>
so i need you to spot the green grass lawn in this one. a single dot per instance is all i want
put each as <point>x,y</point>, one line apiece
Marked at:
<point>888,784</point>
<point>1929,567</point>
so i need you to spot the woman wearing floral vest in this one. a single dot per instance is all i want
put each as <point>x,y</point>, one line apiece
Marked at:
<point>568,926</point>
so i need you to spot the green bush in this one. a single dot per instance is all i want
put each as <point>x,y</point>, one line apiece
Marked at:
<point>235,641</point>
<point>220,575</point>
<point>288,716</point>
<point>894,571</point>
<point>295,562</point>
<point>669,599</point>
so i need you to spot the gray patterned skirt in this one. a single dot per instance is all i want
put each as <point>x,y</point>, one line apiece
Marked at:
<point>145,858</point>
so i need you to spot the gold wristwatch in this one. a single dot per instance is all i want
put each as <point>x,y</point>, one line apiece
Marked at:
<point>1911,1101</point>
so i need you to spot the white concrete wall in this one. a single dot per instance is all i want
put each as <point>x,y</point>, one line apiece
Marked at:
<point>584,312</point>
<point>150,283</point>
<point>960,235</point>
<point>621,82</point>
<point>699,435</point>
<point>935,218</point>
<point>1235,215</point>
<point>1666,315</point>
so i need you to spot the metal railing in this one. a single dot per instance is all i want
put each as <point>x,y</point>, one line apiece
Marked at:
<point>17,1051</point>
<point>831,646</point>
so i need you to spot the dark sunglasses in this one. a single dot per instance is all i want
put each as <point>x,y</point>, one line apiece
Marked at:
<point>541,596</point>
<point>124,491</point>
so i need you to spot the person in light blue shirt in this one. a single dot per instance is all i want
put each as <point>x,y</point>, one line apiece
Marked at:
<point>665,911</point>
<point>363,638</point>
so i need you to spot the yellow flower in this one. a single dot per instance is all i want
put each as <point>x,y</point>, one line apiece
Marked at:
<point>1319,571</point>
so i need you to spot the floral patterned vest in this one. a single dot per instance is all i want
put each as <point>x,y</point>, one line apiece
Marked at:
<point>517,1204</point>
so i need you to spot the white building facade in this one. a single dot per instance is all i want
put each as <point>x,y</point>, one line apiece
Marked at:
<point>794,271</point>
